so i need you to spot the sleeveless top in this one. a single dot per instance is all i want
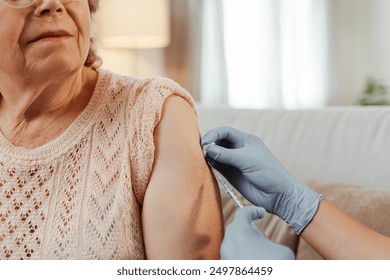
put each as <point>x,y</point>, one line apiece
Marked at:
<point>80,195</point>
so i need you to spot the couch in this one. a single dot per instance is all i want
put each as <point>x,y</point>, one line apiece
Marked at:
<point>341,152</point>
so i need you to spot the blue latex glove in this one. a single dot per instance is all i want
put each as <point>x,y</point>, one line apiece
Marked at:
<point>257,174</point>
<point>243,242</point>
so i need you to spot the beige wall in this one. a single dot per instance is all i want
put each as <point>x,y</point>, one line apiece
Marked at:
<point>145,62</point>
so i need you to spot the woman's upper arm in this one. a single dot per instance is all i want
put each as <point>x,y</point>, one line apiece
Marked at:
<point>181,214</point>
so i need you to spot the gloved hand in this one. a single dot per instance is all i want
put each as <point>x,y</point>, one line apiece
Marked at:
<point>243,242</point>
<point>256,173</point>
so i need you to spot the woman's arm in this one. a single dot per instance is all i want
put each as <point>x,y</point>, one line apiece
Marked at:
<point>335,235</point>
<point>181,215</point>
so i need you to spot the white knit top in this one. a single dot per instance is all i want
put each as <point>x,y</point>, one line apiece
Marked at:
<point>80,195</point>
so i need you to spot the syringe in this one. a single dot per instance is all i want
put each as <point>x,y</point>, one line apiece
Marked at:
<point>229,188</point>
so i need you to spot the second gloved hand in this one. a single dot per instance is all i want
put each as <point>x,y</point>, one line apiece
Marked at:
<point>243,242</point>
<point>257,174</point>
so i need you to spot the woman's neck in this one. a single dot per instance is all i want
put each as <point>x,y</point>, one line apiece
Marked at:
<point>43,111</point>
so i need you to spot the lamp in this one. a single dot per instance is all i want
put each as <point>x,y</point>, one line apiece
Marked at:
<point>133,24</point>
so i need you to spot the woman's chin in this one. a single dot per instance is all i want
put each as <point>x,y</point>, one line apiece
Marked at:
<point>51,59</point>
<point>55,66</point>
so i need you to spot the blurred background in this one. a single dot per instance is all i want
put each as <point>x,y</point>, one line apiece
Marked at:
<point>290,54</point>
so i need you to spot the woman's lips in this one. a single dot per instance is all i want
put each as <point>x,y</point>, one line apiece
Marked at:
<point>51,36</point>
<point>55,38</point>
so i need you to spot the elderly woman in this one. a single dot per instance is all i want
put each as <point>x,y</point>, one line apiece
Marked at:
<point>94,165</point>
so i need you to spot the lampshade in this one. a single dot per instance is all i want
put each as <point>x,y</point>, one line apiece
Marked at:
<point>133,24</point>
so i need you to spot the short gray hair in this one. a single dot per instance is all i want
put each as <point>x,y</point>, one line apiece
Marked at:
<point>93,60</point>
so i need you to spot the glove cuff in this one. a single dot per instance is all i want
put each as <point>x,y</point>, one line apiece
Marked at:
<point>300,208</point>
<point>306,219</point>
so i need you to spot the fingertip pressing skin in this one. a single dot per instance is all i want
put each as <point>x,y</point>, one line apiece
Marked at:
<point>205,147</point>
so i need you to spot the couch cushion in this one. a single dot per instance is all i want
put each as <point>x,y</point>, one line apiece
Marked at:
<point>340,145</point>
<point>369,206</point>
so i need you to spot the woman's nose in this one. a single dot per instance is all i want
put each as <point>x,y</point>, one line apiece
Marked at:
<point>48,7</point>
